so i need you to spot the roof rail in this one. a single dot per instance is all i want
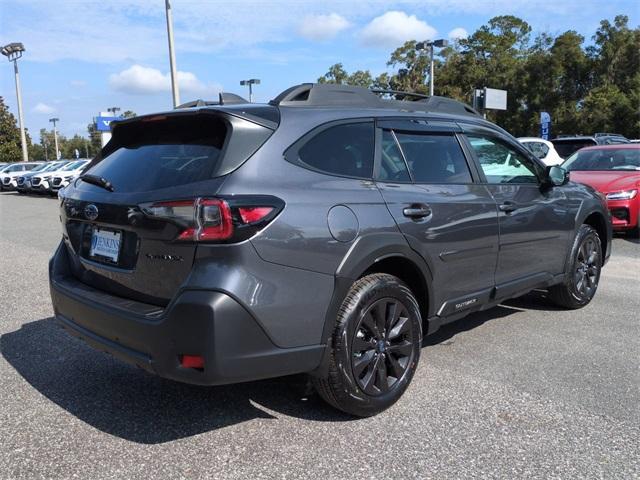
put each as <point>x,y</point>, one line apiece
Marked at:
<point>224,98</point>
<point>602,134</point>
<point>335,95</point>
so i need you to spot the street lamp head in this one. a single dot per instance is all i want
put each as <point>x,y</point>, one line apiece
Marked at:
<point>54,120</point>
<point>13,51</point>
<point>251,81</point>
<point>441,42</point>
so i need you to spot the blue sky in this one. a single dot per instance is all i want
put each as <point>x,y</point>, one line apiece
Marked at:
<point>85,55</point>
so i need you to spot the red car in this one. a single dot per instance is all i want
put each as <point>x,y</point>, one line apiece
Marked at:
<point>613,170</point>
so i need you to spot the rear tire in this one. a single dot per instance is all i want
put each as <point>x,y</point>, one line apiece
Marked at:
<point>375,347</point>
<point>582,273</point>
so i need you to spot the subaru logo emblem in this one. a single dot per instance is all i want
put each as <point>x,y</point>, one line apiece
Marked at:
<point>91,212</point>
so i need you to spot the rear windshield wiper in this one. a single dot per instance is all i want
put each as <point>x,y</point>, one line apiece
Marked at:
<point>96,180</point>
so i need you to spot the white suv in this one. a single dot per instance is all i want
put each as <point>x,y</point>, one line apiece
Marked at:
<point>64,176</point>
<point>40,181</point>
<point>543,149</point>
<point>10,173</point>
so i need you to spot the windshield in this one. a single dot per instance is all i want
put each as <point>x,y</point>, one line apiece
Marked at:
<point>53,166</point>
<point>604,159</point>
<point>73,165</point>
<point>38,168</point>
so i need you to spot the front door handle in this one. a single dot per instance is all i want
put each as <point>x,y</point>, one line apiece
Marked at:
<point>419,210</point>
<point>508,207</point>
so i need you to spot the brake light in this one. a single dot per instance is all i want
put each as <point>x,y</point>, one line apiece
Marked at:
<point>215,219</point>
<point>254,214</point>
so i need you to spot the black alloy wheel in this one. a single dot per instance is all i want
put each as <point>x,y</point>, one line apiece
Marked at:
<point>382,347</point>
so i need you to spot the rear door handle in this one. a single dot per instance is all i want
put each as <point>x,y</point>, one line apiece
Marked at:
<point>508,207</point>
<point>417,211</point>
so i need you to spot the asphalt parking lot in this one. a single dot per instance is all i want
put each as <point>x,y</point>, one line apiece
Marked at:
<point>522,390</point>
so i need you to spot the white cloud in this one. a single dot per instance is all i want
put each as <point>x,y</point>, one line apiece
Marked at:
<point>394,28</point>
<point>458,33</point>
<point>43,108</point>
<point>139,80</point>
<point>78,83</point>
<point>322,27</point>
<point>134,31</point>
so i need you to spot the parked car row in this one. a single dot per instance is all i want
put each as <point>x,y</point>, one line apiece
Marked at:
<point>554,152</point>
<point>607,162</point>
<point>40,177</point>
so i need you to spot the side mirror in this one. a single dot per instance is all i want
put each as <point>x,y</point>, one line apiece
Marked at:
<point>557,175</point>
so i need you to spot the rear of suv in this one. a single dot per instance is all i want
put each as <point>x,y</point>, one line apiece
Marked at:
<point>324,233</point>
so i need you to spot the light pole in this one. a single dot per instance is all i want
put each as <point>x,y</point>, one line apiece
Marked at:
<point>55,136</point>
<point>440,43</point>
<point>172,56</point>
<point>13,52</point>
<point>251,82</point>
<point>113,110</point>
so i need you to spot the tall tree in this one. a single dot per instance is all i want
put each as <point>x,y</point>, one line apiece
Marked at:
<point>10,142</point>
<point>337,74</point>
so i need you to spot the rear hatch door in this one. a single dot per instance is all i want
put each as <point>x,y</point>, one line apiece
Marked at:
<point>178,157</point>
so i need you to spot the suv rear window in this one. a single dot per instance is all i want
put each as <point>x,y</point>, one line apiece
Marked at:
<point>151,155</point>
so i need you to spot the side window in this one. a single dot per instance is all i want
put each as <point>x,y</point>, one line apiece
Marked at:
<point>539,149</point>
<point>345,150</point>
<point>392,166</point>
<point>434,158</point>
<point>500,162</point>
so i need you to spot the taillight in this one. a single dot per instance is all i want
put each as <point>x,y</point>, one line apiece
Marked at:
<point>254,214</point>
<point>216,219</point>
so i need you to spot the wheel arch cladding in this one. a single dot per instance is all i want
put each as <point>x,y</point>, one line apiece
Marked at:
<point>598,222</point>
<point>407,271</point>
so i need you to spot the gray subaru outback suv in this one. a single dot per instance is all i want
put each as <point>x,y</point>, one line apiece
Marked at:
<point>326,232</point>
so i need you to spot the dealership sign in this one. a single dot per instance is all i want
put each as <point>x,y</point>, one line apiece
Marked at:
<point>103,124</point>
<point>545,125</point>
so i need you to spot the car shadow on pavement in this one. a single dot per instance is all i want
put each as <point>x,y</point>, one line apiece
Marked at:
<point>127,402</point>
<point>535,300</point>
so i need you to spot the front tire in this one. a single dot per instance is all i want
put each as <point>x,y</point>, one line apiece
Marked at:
<point>375,347</point>
<point>583,271</point>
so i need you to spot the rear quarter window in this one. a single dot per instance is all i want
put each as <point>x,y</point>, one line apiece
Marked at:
<point>344,150</point>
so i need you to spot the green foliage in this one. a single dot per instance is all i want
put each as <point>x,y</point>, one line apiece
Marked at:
<point>337,74</point>
<point>585,89</point>
<point>10,143</point>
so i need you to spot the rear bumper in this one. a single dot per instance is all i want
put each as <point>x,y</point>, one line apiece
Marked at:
<point>198,322</point>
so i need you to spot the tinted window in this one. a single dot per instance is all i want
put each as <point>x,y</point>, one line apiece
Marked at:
<point>345,150</point>
<point>501,163</point>
<point>434,158</point>
<point>566,147</point>
<point>155,155</point>
<point>392,166</point>
<point>604,159</point>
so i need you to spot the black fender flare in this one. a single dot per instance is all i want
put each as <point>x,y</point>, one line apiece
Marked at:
<point>587,208</point>
<point>365,252</point>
